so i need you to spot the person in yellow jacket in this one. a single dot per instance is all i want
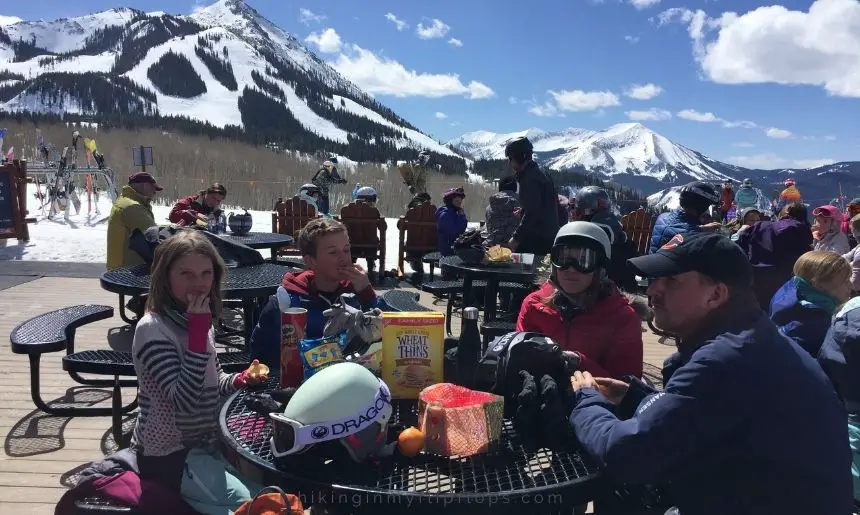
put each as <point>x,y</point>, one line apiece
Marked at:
<point>132,210</point>
<point>415,174</point>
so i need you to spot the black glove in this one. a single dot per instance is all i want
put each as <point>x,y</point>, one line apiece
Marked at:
<point>527,408</point>
<point>263,403</point>
<point>283,395</point>
<point>553,412</point>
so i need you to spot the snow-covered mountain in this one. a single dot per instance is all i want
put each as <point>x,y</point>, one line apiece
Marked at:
<point>622,149</point>
<point>225,65</point>
<point>635,156</point>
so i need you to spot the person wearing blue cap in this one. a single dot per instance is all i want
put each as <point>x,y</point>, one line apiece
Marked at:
<point>747,424</point>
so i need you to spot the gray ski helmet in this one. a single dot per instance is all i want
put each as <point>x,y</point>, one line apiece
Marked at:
<point>591,199</point>
<point>591,234</point>
<point>342,402</point>
<point>519,148</point>
<point>366,193</point>
<point>747,182</point>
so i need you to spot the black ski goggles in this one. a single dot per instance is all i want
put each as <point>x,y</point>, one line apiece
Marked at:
<point>581,259</point>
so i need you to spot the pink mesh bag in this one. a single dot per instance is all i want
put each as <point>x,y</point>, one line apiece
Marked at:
<point>457,421</point>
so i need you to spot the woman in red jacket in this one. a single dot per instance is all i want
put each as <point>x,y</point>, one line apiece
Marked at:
<point>581,308</point>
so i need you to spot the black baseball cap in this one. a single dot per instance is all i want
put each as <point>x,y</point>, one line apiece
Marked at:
<point>710,254</point>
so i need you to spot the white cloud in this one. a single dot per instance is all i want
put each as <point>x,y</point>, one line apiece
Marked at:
<point>513,100</point>
<point>307,16</point>
<point>695,116</point>
<point>400,24</point>
<point>709,117</point>
<point>455,124</point>
<point>578,100</point>
<point>653,114</point>
<point>328,41</point>
<point>743,144</point>
<point>455,42</point>
<point>440,116</point>
<point>775,133</point>
<point>545,109</point>
<point>643,4</point>
<point>830,137</point>
<point>9,20</point>
<point>643,91</point>
<point>739,124</point>
<point>770,160</point>
<point>383,76</point>
<point>436,29</point>
<point>773,44</point>
<point>631,39</point>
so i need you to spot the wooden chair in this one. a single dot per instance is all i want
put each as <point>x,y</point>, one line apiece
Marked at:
<point>366,229</point>
<point>289,218</point>
<point>639,225</point>
<point>417,234</point>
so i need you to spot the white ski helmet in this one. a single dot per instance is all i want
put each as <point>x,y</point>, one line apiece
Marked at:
<point>589,233</point>
<point>343,402</point>
<point>309,189</point>
<point>747,182</point>
<point>366,193</point>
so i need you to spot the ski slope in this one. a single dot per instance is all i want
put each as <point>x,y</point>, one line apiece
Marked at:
<point>84,238</point>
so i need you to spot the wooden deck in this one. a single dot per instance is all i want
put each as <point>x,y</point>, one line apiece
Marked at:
<point>44,453</point>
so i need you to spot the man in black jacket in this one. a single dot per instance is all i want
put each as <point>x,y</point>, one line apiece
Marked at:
<point>539,215</point>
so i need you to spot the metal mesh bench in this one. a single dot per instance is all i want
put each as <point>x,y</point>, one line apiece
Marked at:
<point>494,329</point>
<point>54,332</point>
<point>403,300</point>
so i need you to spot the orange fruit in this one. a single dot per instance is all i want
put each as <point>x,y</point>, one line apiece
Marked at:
<point>410,441</point>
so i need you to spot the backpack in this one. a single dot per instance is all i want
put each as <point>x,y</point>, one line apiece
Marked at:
<point>271,501</point>
<point>498,370</point>
<point>234,254</point>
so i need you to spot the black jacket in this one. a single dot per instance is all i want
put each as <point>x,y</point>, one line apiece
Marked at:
<point>539,217</point>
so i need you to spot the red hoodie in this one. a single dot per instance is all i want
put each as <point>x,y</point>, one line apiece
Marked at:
<point>608,336</point>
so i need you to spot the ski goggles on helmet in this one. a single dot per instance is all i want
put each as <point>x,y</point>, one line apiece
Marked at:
<point>581,259</point>
<point>293,437</point>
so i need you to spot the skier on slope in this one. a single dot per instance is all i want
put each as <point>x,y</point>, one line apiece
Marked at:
<point>789,194</point>
<point>323,179</point>
<point>746,197</point>
<point>415,174</point>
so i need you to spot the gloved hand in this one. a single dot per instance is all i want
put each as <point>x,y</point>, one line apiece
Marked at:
<point>340,317</point>
<point>361,328</point>
<point>527,408</point>
<point>553,412</point>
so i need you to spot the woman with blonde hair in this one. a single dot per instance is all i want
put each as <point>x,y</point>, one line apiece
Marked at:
<point>181,382</point>
<point>805,304</point>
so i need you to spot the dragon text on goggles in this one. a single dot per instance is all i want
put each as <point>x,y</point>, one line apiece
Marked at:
<point>304,435</point>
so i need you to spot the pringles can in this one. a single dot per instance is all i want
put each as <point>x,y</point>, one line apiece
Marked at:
<point>293,327</point>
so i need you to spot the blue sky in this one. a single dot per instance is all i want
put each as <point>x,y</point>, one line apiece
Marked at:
<point>747,82</point>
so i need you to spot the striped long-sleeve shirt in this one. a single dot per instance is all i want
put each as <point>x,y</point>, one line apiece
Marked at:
<point>179,389</point>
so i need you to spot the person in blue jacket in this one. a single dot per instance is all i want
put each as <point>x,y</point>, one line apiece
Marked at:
<point>450,220</point>
<point>747,196</point>
<point>747,423</point>
<point>804,306</point>
<point>330,273</point>
<point>840,360</point>
<point>695,198</point>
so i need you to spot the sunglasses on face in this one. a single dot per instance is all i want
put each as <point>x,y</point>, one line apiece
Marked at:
<point>580,259</point>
